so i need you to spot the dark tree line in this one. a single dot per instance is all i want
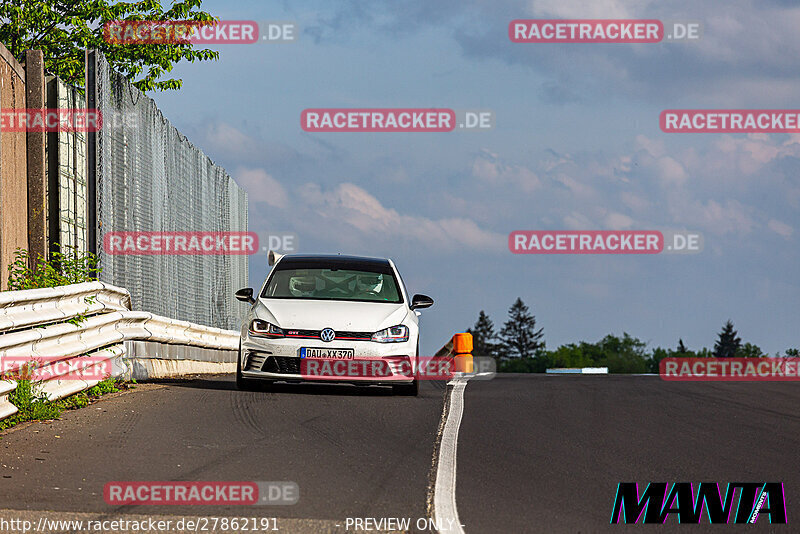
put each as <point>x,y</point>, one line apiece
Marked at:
<point>518,338</point>
<point>520,347</point>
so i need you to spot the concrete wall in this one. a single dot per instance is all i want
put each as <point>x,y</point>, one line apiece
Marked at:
<point>13,167</point>
<point>150,359</point>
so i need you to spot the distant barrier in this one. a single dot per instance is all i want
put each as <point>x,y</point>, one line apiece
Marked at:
<point>77,329</point>
<point>579,371</point>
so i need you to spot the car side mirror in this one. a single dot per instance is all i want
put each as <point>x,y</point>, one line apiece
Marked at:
<point>421,301</point>
<point>245,295</point>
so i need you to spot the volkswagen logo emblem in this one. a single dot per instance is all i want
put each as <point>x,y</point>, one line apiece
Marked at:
<point>327,334</point>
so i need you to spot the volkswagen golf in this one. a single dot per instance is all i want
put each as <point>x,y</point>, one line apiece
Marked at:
<point>331,318</point>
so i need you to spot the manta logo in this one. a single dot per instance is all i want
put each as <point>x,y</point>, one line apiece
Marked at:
<point>327,334</point>
<point>756,499</point>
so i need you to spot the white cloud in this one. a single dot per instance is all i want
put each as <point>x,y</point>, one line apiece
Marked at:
<point>728,217</point>
<point>577,221</point>
<point>221,137</point>
<point>488,168</point>
<point>261,187</point>
<point>580,9</point>
<point>655,147</point>
<point>670,172</point>
<point>634,202</point>
<point>350,205</point>
<point>618,221</point>
<point>780,228</point>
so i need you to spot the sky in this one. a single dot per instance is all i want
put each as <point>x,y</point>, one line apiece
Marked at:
<point>576,145</point>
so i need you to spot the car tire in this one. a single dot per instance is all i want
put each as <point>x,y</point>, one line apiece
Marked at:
<point>245,384</point>
<point>412,389</point>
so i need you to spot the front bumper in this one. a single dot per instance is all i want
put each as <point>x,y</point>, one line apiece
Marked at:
<point>373,363</point>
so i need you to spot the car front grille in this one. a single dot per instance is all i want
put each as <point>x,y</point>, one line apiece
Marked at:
<point>282,365</point>
<point>286,365</point>
<point>341,335</point>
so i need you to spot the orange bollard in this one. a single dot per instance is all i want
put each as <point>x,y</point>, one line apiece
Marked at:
<point>462,343</point>
<point>464,363</point>
<point>462,350</point>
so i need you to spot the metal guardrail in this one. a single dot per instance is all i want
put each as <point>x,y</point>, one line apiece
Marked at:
<point>35,325</point>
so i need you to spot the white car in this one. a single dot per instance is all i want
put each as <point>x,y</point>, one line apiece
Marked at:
<point>331,318</point>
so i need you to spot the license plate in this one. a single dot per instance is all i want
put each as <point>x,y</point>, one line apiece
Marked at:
<point>332,354</point>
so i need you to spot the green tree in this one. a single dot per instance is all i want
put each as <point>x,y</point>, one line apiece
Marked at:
<point>64,29</point>
<point>522,365</point>
<point>792,353</point>
<point>570,356</point>
<point>703,353</point>
<point>519,337</point>
<point>682,350</point>
<point>621,355</point>
<point>728,342</point>
<point>748,350</point>
<point>484,337</point>
<point>658,354</point>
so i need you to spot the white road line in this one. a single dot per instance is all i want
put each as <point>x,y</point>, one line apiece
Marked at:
<point>445,513</point>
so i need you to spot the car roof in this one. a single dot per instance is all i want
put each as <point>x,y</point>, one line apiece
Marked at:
<point>324,260</point>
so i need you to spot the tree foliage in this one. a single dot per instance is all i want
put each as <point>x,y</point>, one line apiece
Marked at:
<point>728,342</point>
<point>749,350</point>
<point>63,29</point>
<point>519,348</point>
<point>484,337</point>
<point>519,337</point>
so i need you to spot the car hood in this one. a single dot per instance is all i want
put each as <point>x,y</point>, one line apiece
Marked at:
<point>336,314</point>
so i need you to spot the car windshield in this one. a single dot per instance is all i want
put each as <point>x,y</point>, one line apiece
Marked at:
<point>333,284</point>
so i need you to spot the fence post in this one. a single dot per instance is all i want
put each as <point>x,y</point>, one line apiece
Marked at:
<point>35,140</point>
<point>91,154</point>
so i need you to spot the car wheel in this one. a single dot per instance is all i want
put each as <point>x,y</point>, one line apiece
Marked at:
<point>412,389</point>
<point>243,383</point>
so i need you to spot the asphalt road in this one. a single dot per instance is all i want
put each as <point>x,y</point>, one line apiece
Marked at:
<point>540,453</point>
<point>353,452</point>
<point>535,453</point>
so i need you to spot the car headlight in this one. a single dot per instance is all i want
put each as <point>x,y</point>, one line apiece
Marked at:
<point>263,328</point>
<point>393,334</point>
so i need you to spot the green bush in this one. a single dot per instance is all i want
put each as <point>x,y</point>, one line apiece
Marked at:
<point>84,398</point>
<point>62,268</point>
<point>33,405</point>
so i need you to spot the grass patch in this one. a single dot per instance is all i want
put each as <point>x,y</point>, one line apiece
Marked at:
<point>33,405</point>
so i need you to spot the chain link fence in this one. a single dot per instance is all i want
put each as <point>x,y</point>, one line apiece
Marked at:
<point>65,156</point>
<point>148,177</point>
